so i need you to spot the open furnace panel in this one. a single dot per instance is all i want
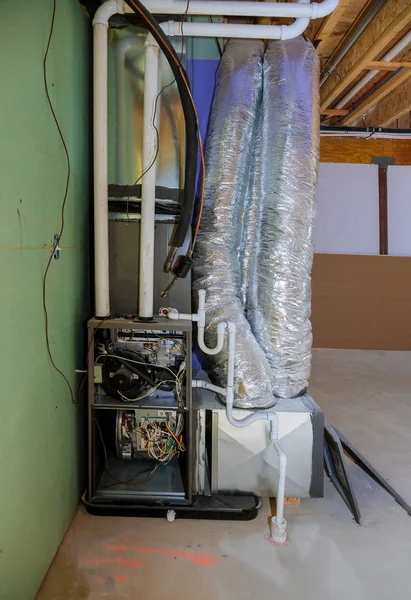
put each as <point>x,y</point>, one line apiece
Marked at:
<point>140,412</point>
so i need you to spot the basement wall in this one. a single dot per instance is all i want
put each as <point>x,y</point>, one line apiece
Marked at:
<point>41,431</point>
<point>362,300</point>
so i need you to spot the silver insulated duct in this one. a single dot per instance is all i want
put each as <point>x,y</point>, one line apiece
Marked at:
<point>217,256</point>
<point>280,285</point>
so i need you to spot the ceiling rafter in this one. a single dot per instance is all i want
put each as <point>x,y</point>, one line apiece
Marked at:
<point>386,89</point>
<point>392,107</point>
<point>392,18</point>
<point>388,66</point>
<point>327,25</point>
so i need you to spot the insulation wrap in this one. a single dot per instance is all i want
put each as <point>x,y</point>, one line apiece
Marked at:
<point>280,284</point>
<point>216,259</point>
<point>250,215</point>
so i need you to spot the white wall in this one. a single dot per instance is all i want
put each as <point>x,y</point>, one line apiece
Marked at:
<point>348,214</point>
<point>347,209</point>
<point>399,211</point>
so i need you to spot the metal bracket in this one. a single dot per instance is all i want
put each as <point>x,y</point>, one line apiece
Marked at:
<point>383,161</point>
<point>336,470</point>
<point>56,247</point>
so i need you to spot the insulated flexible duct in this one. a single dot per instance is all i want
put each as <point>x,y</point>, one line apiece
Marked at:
<point>250,215</point>
<point>216,259</point>
<point>280,302</point>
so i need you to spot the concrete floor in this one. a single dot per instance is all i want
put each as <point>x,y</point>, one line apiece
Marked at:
<point>365,394</point>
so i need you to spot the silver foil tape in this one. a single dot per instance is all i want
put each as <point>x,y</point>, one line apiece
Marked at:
<point>216,259</point>
<point>280,284</point>
<point>250,214</point>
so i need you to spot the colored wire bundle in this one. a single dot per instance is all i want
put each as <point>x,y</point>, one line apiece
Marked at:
<point>163,444</point>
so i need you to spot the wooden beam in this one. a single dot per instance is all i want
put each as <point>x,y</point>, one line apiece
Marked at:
<point>335,112</point>
<point>328,25</point>
<point>381,65</point>
<point>361,150</point>
<point>391,19</point>
<point>392,107</point>
<point>373,99</point>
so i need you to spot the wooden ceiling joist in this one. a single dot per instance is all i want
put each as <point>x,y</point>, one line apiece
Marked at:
<point>328,24</point>
<point>393,17</point>
<point>380,65</point>
<point>377,96</point>
<point>392,107</point>
<point>334,112</point>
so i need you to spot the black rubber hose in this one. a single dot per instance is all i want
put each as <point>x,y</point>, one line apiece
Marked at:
<point>191,150</point>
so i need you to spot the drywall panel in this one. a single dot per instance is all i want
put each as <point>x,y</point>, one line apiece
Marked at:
<point>361,302</point>
<point>347,209</point>
<point>40,428</point>
<point>399,211</point>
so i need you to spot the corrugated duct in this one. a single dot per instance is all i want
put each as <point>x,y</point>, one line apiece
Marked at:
<point>251,215</point>
<point>280,303</point>
<point>216,260</point>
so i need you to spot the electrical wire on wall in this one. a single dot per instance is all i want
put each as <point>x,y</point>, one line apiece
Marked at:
<point>63,205</point>
<point>181,266</point>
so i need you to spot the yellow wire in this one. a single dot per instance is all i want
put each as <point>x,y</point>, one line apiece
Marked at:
<point>180,446</point>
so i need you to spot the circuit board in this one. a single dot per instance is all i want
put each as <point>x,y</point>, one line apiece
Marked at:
<point>144,431</point>
<point>161,348</point>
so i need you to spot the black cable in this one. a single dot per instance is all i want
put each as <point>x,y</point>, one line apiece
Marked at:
<point>63,206</point>
<point>191,151</point>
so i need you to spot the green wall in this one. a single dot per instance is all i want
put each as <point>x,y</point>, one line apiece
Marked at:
<point>40,430</point>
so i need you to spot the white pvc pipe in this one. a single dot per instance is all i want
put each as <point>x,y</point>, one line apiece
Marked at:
<point>399,47</point>
<point>107,10</point>
<point>236,30</point>
<point>279,518</point>
<point>206,385</point>
<point>279,524</point>
<point>148,185</point>
<point>245,9</point>
<point>100,155</point>
<point>201,328</point>
<point>174,315</point>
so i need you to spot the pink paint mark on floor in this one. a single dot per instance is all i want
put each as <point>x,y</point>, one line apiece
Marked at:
<point>134,564</point>
<point>126,540</point>
<point>198,558</point>
<point>121,578</point>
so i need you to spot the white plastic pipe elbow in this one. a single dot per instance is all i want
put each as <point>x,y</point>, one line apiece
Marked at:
<point>221,327</point>
<point>107,10</point>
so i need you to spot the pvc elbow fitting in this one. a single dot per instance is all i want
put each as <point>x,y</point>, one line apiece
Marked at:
<point>107,10</point>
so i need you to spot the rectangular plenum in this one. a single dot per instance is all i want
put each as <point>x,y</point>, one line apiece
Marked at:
<point>125,113</point>
<point>125,145</point>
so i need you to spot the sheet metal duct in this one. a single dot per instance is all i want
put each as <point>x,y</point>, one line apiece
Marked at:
<point>280,305</point>
<point>217,264</point>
